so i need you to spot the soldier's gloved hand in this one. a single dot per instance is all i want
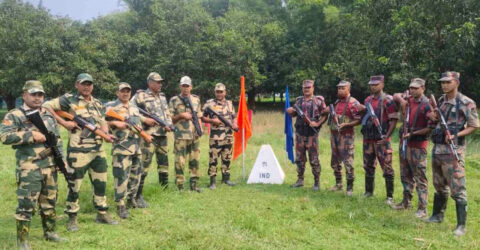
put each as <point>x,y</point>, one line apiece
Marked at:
<point>150,122</point>
<point>38,137</point>
<point>186,116</point>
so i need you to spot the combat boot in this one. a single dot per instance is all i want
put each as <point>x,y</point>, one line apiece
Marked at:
<point>389,184</point>
<point>23,228</point>
<point>369,186</point>
<point>338,185</point>
<point>439,206</point>
<point>163,179</point>
<point>122,212</point>
<point>193,185</point>
<point>72,224</point>
<point>48,223</point>
<point>349,187</point>
<point>421,212</point>
<point>105,218</point>
<point>212,183</point>
<point>404,204</point>
<point>461,218</point>
<point>131,202</point>
<point>141,203</point>
<point>226,179</point>
<point>316,184</point>
<point>299,183</point>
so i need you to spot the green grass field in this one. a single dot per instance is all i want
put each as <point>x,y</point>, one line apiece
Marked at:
<point>254,216</point>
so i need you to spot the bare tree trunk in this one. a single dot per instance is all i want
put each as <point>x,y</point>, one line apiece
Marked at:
<point>10,101</point>
<point>251,98</point>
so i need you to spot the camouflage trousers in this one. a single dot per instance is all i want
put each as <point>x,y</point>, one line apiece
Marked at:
<point>95,164</point>
<point>343,151</point>
<point>304,144</point>
<point>184,149</point>
<point>448,174</point>
<point>36,186</point>
<point>382,152</point>
<point>158,147</point>
<point>220,149</point>
<point>127,170</point>
<point>413,171</point>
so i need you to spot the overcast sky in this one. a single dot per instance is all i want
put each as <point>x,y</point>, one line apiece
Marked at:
<point>82,10</point>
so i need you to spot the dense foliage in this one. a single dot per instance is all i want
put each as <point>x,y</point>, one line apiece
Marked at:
<point>272,42</point>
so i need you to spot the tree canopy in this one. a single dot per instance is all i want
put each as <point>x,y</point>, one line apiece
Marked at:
<point>273,43</point>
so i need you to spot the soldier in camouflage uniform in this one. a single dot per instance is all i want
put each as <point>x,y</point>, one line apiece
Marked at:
<point>127,165</point>
<point>153,101</point>
<point>85,152</point>
<point>36,174</point>
<point>221,136</point>
<point>460,113</point>
<point>374,147</point>
<point>342,137</point>
<point>187,142</point>
<point>306,135</point>
<point>413,162</point>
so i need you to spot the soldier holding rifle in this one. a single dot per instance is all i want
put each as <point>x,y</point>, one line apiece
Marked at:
<point>378,125</point>
<point>344,116</point>
<point>456,117</point>
<point>186,110</point>
<point>308,109</point>
<point>153,101</point>
<point>37,157</point>
<point>85,152</point>
<point>125,122</point>
<point>413,145</point>
<point>221,114</point>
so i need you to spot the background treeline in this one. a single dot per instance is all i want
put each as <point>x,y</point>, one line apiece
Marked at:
<point>272,42</point>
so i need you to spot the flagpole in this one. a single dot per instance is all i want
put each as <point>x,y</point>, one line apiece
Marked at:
<point>243,152</point>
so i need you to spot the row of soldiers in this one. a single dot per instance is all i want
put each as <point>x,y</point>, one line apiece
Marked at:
<point>138,126</point>
<point>449,123</point>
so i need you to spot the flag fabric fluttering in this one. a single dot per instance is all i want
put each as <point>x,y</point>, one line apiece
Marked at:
<point>244,127</point>
<point>288,129</point>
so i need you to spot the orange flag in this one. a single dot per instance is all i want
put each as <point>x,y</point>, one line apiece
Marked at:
<point>242,121</point>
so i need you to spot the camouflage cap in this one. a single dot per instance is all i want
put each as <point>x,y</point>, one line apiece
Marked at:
<point>417,82</point>
<point>374,80</point>
<point>33,86</point>
<point>449,75</point>
<point>123,85</point>
<point>84,77</point>
<point>307,83</point>
<point>343,83</point>
<point>220,87</point>
<point>186,81</point>
<point>154,76</point>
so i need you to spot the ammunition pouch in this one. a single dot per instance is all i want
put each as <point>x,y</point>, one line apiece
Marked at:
<point>370,132</point>
<point>438,136</point>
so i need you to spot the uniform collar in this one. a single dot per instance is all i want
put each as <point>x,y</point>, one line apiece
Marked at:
<point>221,102</point>
<point>27,108</point>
